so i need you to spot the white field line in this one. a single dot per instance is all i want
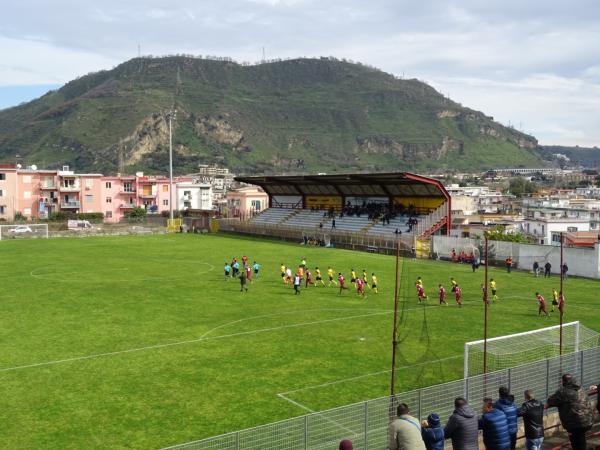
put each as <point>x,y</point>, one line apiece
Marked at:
<point>190,341</point>
<point>343,380</point>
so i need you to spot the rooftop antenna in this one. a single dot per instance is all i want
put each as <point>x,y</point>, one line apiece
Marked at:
<point>263,54</point>
<point>139,50</point>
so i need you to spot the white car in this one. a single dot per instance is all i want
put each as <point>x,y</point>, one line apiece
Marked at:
<point>20,229</point>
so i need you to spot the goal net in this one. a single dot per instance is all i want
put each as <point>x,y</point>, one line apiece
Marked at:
<point>515,349</point>
<point>24,231</point>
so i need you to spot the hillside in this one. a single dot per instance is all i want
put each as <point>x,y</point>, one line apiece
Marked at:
<point>302,115</point>
<point>578,156</point>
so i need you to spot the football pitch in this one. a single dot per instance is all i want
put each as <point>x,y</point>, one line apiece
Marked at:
<point>139,342</point>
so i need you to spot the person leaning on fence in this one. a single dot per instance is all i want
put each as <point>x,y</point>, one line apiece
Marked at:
<point>507,406</point>
<point>495,427</point>
<point>574,410</point>
<point>462,427</point>
<point>432,433</point>
<point>536,268</point>
<point>532,412</point>
<point>405,431</point>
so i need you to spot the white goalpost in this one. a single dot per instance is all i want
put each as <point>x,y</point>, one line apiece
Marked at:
<point>515,349</point>
<point>24,231</point>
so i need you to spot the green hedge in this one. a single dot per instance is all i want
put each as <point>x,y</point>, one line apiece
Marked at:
<point>62,216</point>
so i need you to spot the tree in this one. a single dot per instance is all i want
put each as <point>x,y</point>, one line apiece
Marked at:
<point>136,214</point>
<point>519,186</point>
<point>498,233</point>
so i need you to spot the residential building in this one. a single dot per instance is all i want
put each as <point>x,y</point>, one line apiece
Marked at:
<point>246,201</point>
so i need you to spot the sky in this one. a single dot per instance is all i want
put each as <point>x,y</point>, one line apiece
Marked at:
<point>531,64</point>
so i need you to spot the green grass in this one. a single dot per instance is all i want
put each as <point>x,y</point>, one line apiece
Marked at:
<point>67,300</point>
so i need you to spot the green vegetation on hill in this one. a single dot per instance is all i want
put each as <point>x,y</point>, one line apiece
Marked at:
<point>301,115</point>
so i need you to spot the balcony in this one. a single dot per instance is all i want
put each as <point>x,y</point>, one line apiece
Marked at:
<point>126,192</point>
<point>70,188</point>
<point>127,205</point>
<point>47,187</point>
<point>70,205</point>
<point>147,195</point>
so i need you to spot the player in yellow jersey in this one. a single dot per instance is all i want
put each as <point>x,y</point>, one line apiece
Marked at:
<point>554,299</point>
<point>330,274</point>
<point>318,277</point>
<point>419,281</point>
<point>374,283</point>
<point>453,284</point>
<point>282,269</point>
<point>494,290</point>
<point>352,276</point>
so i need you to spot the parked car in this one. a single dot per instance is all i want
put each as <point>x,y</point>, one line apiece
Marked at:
<point>20,229</point>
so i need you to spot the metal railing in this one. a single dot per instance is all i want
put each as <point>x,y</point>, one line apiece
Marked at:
<point>366,423</point>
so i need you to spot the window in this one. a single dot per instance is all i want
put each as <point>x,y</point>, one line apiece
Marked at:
<point>1,193</point>
<point>165,202</point>
<point>108,185</point>
<point>2,176</point>
<point>256,205</point>
<point>108,214</point>
<point>165,188</point>
<point>26,211</point>
<point>555,237</point>
<point>571,229</point>
<point>89,198</point>
<point>27,179</point>
<point>89,183</point>
<point>2,209</point>
<point>128,187</point>
<point>108,200</point>
<point>26,194</point>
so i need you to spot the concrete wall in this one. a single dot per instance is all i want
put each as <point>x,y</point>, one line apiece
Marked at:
<point>584,262</point>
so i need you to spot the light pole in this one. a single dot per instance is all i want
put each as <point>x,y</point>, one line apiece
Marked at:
<point>171,115</point>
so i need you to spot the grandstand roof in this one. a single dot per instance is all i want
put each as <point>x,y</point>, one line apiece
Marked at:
<point>402,184</point>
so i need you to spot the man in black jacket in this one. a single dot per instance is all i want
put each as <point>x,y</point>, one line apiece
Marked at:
<point>574,410</point>
<point>532,412</point>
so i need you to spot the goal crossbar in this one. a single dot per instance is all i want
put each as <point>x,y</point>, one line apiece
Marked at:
<point>511,350</point>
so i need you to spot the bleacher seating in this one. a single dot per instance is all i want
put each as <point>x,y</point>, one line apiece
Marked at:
<point>307,219</point>
<point>389,230</point>
<point>273,216</point>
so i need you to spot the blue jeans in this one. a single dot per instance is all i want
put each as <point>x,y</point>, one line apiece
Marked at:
<point>534,444</point>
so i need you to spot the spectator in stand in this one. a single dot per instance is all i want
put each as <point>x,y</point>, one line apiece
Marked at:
<point>333,224</point>
<point>507,406</point>
<point>547,268</point>
<point>536,269</point>
<point>346,444</point>
<point>565,270</point>
<point>532,412</point>
<point>433,433</point>
<point>574,410</point>
<point>495,427</point>
<point>405,431</point>
<point>462,427</point>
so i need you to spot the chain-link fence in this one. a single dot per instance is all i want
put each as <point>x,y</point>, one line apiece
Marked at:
<point>366,423</point>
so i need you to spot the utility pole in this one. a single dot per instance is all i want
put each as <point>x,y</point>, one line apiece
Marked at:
<point>171,116</point>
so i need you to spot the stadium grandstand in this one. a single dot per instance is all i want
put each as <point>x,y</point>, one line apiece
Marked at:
<point>348,208</point>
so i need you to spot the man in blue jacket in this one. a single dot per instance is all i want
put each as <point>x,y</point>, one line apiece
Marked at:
<point>507,406</point>
<point>494,426</point>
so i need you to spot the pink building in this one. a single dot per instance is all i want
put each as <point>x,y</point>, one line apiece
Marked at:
<point>38,193</point>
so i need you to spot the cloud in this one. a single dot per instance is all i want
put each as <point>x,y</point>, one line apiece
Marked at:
<point>480,53</point>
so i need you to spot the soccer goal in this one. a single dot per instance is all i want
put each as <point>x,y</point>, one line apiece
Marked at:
<point>24,231</point>
<point>515,349</point>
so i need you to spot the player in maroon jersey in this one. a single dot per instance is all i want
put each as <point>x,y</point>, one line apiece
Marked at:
<point>458,295</point>
<point>342,282</point>
<point>421,296</point>
<point>360,287</point>
<point>542,304</point>
<point>308,278</point>
<point>442,292</point>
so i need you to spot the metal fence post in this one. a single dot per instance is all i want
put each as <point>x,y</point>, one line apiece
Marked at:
<point>467,390</point>
<point>547,378</point>
<point>419,404</point>
<point>305,432</point>
<point>509,379</point>
<point>237,441</point>
<point>581,367</point>
<point>366,425</point>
